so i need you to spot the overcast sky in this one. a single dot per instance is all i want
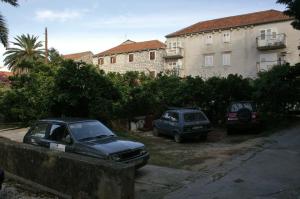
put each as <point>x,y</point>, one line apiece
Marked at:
<point>96,25</point>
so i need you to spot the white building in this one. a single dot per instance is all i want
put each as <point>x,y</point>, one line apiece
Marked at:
<point>243,44</point>
<point>147,57</point>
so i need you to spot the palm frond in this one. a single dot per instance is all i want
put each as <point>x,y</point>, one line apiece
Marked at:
<point>11,2</point>
<point>3,32</point>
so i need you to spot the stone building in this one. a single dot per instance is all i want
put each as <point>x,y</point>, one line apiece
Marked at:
<point>146,56</point>
<point>243,44</point>
<point>86,57</point>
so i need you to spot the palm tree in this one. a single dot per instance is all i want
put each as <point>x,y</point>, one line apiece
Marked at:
<point>27,49</point>
<point>3,27</point>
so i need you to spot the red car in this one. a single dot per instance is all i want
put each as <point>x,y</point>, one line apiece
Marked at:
<point>242,115</point>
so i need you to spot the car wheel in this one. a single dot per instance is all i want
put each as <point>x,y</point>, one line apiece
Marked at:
<point>229,131</point>
<point>177,138</point>
<point>203,137</point>
<point>155,131</point>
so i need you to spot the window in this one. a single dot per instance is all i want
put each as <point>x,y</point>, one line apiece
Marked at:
<point>174,45</point>
<point>152,55</point>
<point>59,133</point>
<point>174,117</point>
<point>268,34</point>
<point>226,37</point>
<point>39,130</point>
<point>208,60</point>
<point>130,57</point>
<point>226,59</point>
<point>100,61</point>
<point>209,39</point>
<point>112,60</point>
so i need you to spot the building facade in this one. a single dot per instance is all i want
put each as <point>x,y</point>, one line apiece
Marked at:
<point>86,57</point>
<point>244,44</point>
<point>147,57</point>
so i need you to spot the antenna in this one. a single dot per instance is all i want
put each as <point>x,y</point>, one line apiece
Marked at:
<point>46,46</point>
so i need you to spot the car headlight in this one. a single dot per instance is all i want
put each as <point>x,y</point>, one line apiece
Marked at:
<point>115,158</point>
<point>143,151</point>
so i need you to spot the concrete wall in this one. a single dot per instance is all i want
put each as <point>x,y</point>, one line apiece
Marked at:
<point>70,174</point>
<point>141,62</point>
<point>242,46</point>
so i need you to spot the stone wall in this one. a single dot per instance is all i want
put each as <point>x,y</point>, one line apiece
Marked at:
<point>141,62</point>
<point>69,174</point>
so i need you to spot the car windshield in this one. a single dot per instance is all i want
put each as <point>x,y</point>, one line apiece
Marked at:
<point>89,130</point>
<point>237,106</point>
<point>193,117</point>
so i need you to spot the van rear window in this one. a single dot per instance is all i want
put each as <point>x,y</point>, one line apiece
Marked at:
<point>237,106</point>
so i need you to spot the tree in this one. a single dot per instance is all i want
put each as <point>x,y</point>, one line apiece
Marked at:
<point>28,49</point>
<point>3,26</point>
<point>293,10</point>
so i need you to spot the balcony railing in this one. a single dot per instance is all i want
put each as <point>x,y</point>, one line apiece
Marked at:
<point>267,65</point>
<point>271,42</point>
<point>174,53</point>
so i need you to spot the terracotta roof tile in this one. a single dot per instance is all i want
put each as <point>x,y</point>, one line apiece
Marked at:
<point>6,73</point>
<point>233,21</point>
<point>130,46</point>
<point>77,55</point>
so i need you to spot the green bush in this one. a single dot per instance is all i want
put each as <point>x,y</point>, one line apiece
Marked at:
<point>67,88</point>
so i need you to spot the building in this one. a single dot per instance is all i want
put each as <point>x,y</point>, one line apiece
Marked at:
<point>243,44</point>
<point>146,56</point>
<point>86,57</point>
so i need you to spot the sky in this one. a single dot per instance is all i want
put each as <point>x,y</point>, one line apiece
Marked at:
<point>97,25</point>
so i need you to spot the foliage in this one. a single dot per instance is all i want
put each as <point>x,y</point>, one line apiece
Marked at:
<point>278,90</point>
<point>293,10</point>
<point>30,95</point>
<point>3,26</point>
<point>67,88</point>
<point>27,50</point>
<point>81,91</point>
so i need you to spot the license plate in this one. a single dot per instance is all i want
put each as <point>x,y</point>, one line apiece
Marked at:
<point>140,161</point>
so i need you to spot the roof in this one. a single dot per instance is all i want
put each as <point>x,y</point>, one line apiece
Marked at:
<point>6,73</point>
<point>66,120</point>
<point>77,55</point>
<point>256,18</point>
<point>131,46</point>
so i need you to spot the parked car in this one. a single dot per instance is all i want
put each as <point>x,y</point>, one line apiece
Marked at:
<point>242,115</point>
<point>182,123</point>
<point>86,137</point>
<point>1,178</point>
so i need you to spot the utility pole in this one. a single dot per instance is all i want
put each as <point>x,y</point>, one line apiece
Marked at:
<point>46,46</point>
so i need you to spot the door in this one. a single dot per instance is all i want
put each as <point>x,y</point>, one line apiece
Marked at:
<point>38,134</point>
<point>59,138</point>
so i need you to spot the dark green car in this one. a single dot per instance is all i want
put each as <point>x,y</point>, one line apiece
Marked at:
<point>86,137</point>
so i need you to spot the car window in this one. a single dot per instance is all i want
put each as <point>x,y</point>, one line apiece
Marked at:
<point>39,130</point>
<point>237,106</point>
<point>166,116</point>
<point>89,130</point>
<point>59,133</point>
<point>193,117</point>
<point>173,116</point>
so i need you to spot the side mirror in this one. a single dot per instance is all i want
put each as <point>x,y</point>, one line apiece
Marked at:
<point>68,139</point>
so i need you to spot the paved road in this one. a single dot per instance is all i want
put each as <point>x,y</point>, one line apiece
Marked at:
<point>271,172</point>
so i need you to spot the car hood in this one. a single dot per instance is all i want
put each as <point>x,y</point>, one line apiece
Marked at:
<point>112,145</point>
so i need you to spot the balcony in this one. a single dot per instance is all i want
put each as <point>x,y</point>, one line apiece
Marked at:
<point>267,65</point>
<point>271,42</point>
<point>174,53</point>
